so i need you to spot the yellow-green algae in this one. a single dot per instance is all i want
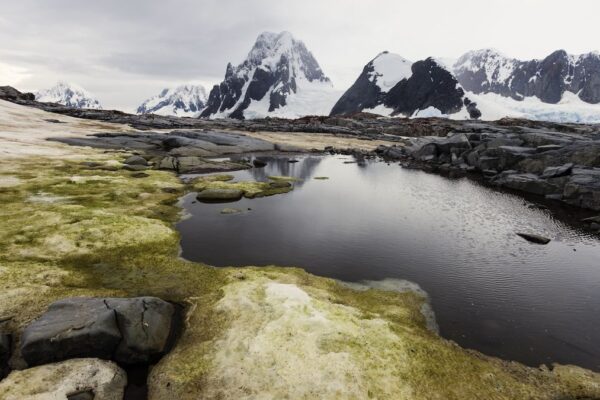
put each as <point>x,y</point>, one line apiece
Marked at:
<point>250,189</point>
<point>248,333</point>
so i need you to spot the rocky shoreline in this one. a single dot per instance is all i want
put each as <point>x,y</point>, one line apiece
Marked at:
<point>87,234</point>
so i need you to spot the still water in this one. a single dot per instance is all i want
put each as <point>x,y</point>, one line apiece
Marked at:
<point>490,289</point>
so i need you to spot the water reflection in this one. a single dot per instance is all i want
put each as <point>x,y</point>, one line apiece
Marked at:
<point>491,290</point>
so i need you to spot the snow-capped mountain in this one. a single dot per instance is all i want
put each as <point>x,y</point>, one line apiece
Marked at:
<point>279,77</point>
<point>183,101</point>
<point>68,94</point>
<point>488,71</point>
<point>392,85</point>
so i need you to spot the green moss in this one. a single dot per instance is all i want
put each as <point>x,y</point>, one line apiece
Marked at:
<point>70,230</point>
<point>250,189</point>
<point>321,178</point>
<point>284,178</point>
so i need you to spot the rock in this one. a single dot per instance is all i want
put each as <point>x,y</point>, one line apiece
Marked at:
<point>592,219</point>
<point>583,188</point>
<point>220,195</point>
<point>71,328</point>
<point>135,167</point>
<point>293,161</point>
<point>534,238</point>
<point>231,211</point>
<point>139,175</point>
<point>458,141</point>
<point>428,152</point>
<point>555,172</point>
<point>127,330</point>
<point>70,379</point>
<point>595,226</point>
<point>5,351</point>
<point>529,183</point>
<point>136,160</point>
<point>259,163</point>
<point>145,325</point>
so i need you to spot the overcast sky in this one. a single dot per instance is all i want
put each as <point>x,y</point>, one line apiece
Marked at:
<point>124,51</point>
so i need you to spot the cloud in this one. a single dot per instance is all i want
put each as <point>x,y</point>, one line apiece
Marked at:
<point>125,51</point>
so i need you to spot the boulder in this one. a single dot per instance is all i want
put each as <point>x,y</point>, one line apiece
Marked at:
<point>71,328</point>
<point>583,188</point>
<point>220,195</point>
<point>529,183</point>
<point>136,160</point>
<point>259,163</point>
<point>74,379</point>
<point>457,141</point>
<point>145,326</point>
<point>128,330</point>
<point>533,238</point>
<point>427,152</point>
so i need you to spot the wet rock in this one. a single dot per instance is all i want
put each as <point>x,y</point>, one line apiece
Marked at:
<point>72,379</point>
<point>583,188</point>
<point>136,160</point>
<point>533,238</point>
<point>220,195</point>
<point>555,172</point>
<point>127,330</point>
<point>529,183</point>
<point>259,163</point>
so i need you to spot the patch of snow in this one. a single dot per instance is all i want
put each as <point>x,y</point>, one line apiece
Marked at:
<point>429,112</point>
<point>389,69</point>
<point>381,109</point>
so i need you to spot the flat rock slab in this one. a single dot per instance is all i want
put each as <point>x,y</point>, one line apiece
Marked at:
<point>71,379</point>
<point>126,330</point>
<point>530,237</point>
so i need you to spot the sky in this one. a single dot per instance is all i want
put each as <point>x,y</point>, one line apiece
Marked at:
<point>124,51</point>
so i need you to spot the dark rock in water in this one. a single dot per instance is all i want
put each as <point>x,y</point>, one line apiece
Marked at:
<point>127,330</point>
<point>293,161</point>
<point>136,160</point>
<point>5,348</point>
<point>220,195</point>
<point>534,238</point>
<point>259,163</point>
<point>595,226</point>
<point>139,175</point>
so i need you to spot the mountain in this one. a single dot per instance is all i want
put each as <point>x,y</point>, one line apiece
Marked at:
<point>183,101</point>
<point>488,71</point>
<point>279,77</point>
<point>69,95</point>
<point>392,85</point>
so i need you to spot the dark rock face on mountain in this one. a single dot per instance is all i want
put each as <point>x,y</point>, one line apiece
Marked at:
<point>11,94</point>
<point>487,71</point>
<point>429,86</point>
<point>273,69</point>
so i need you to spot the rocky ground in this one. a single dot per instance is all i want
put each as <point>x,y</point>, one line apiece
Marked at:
<point>86,223</point>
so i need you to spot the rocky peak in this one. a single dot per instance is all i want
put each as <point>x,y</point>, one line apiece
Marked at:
<point>68,94</point>
<point>185,100</point>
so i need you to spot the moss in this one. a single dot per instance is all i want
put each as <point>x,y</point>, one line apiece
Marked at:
<point>284,178</point>
<point>321,178</point>
<point>68,230</point>
<point>250,189</point>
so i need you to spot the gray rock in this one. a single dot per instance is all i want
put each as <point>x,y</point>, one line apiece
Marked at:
<point>595,226</point>
<point>457,141</point>
<point>71,328</point>
<point>555,172</point>
<point>135,167</point>
<point>529,183</point>
<point>583,188</point>
<point>220,195</point>
<point>533,238</point>
<point>128,330</point>
<point>428,152</point>
<point>136,160</point>
<point>548,147</point>
<point>259,163</point>
<point>69,379</point>
<point>145,325</point>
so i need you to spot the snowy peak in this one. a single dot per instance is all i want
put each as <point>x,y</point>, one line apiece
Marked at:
<point>388,69</point>
<point>487,71</point>
<point>68,94</point>
<point>392,85</point>
<point>278,72</point>
<point>185,100</point>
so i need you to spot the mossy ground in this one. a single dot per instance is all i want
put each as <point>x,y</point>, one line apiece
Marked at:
<point>70,230</point>
<point>251,189</point>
